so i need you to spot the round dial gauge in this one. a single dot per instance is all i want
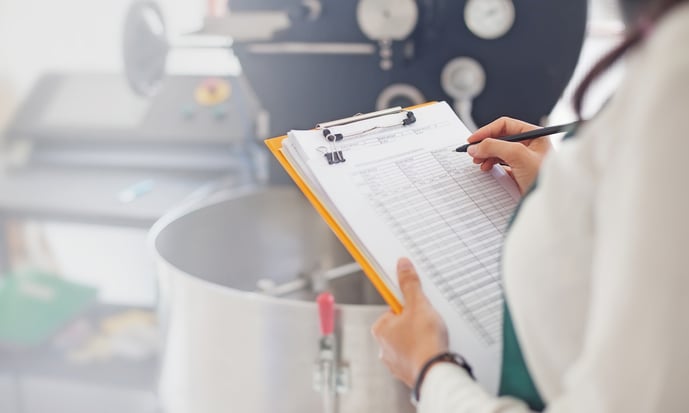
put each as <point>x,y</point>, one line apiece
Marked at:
<point>489,19</point>
<point>387,19</point>
<point>463,78</point>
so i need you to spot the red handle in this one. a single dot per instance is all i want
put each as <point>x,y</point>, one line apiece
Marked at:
<point>326,312</point>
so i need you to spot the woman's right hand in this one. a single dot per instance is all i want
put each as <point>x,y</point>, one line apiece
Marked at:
<point>522,158</point>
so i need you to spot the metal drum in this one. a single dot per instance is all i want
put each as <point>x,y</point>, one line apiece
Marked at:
<point>238,280</point>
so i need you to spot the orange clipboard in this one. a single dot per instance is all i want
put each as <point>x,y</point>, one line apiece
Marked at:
<point>275,147</point>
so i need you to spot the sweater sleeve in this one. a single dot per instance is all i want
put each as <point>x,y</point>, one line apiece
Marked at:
<point>448,388</point>
<point>635,353</point>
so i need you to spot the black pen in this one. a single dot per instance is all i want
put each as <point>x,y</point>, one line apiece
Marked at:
<point>536,133</point>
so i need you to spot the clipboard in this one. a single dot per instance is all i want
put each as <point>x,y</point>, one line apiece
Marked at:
<point>275,147</point>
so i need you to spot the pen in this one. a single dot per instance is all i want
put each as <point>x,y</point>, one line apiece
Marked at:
<point>536,133</point>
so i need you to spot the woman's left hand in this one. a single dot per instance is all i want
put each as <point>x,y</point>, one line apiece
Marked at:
<point>409,339</point>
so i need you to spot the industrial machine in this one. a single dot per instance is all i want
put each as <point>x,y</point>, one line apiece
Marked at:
<point>488,58</point>
<point>84,148</point>
<point>315,60</point>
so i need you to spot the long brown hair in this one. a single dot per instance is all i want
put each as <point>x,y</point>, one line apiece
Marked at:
<point>647,13</point>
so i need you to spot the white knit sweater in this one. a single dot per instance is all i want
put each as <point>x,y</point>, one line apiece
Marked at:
<point>596,266</point>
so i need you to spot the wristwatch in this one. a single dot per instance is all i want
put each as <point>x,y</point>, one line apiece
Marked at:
<point>447,357</point>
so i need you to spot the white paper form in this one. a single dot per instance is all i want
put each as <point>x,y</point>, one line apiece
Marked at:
<point>412,195</point>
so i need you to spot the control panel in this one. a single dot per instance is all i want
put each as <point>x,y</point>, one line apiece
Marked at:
<point>102,108</point>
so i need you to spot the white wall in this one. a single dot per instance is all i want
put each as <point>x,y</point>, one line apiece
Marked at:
<point>39,35</point>
<point>72,35</point>
<point>69,35</point>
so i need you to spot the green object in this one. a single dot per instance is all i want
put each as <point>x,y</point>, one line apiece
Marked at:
<point>515,379</point>
<point>35,305</point>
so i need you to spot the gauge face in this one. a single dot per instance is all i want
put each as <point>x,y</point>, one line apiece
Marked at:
<point>463,78</point>
<point>489,19</point>
<point>387,19</point>
<point>399,94</point>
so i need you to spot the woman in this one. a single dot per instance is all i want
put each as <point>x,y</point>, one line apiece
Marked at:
<point>596,262</point>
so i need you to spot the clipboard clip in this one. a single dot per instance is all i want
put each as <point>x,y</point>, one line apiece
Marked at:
<point>335,156</point>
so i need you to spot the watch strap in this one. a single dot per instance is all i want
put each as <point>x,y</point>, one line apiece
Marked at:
<point>447,357</point>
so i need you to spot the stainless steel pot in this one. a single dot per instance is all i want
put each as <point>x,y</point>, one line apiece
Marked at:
<point>231,347</point>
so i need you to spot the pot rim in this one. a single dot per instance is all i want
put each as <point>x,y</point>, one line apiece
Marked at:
<point>188,208</point>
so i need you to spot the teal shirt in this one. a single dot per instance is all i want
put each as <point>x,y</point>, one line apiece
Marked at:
<point>515,379</point>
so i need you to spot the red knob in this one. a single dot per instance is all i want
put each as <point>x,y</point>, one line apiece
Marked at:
<point>326,312</point>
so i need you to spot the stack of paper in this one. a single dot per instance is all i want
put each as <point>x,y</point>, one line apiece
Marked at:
<point>404,191</point>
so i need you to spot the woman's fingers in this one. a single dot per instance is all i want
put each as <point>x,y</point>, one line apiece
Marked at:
<point>379,326</point>
<point>511,153</point>
<point>501,127</point>
<point>523,161</point>
<point>488,165</point>
<point>399,335</point>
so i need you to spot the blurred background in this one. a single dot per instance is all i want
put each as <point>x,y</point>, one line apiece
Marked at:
<point>140,214</point>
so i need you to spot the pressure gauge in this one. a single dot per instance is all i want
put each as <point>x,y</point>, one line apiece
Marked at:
<point>387,19</point>
<point>489,19</point>
<point>463,78</point>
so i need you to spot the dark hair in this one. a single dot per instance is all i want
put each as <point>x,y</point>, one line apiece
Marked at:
<point>641,15</point>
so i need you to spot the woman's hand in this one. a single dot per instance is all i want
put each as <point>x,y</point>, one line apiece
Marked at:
<point>522,158</point>
<point>410,339</point>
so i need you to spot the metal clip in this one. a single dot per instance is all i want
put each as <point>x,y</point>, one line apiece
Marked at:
<point>335,156</point>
